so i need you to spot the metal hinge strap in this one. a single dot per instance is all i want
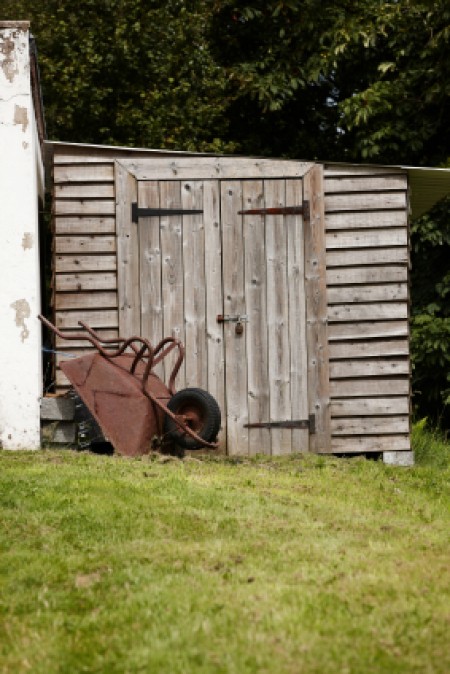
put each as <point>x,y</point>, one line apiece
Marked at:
<point>294,423</point>
<point>137,213</point>
<point>280,210</point>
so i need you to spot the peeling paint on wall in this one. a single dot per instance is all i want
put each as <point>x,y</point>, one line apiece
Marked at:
<point>21,117</point>
<point>27,241</point>
<point>8,63</point>
<point>22,309</point>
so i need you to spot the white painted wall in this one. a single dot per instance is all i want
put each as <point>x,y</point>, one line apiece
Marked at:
<point>21,181</point>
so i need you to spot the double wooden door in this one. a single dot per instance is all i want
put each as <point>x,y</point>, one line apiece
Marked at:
<point>219,263</point>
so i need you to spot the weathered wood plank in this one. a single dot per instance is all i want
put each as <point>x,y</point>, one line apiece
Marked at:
<point>82,263</point>
<point>278,317</point>
<point>367,349</point>
<point>316,310</point>
<point>194,280</point>
<point>364,201</point>
<point>256,328</point>
<point>70,225</point>
<point>352,170</point>
<point>64,344</point>
<point>84,191</point>
<point>368,293</point>
<point>367,312</point>
<point>372,256</point>
<point>200,168</point>
<point>362,183</point>
<point>341,388</point>
<point>377,367</point>
<point>361,407</point>
<point>297,315</point>
<point>83,282</point>
<point>214,299</point>
<point>367,238</point>
<point>107,318</point>
<point>234,304</point>
<point>85,244</point>
<point>370,330</point>
<point>367,443</point>
<point>365,220</point>
<point>59,432</point>
<point>102,154</point>
<point>88,207</point>
<point>57,408</point>
<point>150,308</point>
<point>362,275</point>
<point>83,173</point>
<point>172,273</point>
<point>127,254</point>
<point>61,380</point>
<point>89,300</point>
<point>370,425</point>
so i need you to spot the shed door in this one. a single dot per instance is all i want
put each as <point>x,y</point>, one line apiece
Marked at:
<point>248,268</point>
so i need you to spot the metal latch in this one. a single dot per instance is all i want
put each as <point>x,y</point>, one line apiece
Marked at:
<point>238,319</point>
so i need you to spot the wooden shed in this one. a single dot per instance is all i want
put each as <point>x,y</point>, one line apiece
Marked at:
<point>286,280</point>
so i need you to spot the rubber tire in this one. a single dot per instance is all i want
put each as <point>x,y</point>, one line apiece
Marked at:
<point>208,409</point>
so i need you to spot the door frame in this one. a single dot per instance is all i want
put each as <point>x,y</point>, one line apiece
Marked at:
<point>129,171</point>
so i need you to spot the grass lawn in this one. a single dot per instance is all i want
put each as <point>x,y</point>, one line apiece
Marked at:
<point>299,565</point>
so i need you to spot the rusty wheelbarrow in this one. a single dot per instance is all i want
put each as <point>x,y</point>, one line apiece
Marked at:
<point>132,405</point>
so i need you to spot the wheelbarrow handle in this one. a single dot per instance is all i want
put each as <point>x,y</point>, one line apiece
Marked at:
<point>71,336</point>
<point>161,353</point>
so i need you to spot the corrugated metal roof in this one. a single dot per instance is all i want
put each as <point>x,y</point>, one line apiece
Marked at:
<point>427,187</point>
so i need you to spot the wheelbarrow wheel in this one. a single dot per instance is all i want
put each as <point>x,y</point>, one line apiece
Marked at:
<point>201,413</point>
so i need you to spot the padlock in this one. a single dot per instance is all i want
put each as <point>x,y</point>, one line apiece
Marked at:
<point>239,329</point>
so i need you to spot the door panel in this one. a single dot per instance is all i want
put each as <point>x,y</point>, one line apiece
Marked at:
<point>263,277</point>
<point>193,267</point>
<point>236,363</point>
<point>256,309</point>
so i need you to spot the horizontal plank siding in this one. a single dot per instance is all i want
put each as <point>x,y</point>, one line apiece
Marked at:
<point>84,281</point>
<point>360,407</point>
<point>367,293</point>
<point>83,173</point>
<point>85,244</point>
<point>367,312</point>
<point>364,386</point>
<point>373,348</point>
<point>85,191</point>
<point>82,207</point>
<point>362,183</point>
<point>381,275</point>
<point>367,238</point>
<point>370,425</point>
<point>86,224</point>
<point>79,263</point>
<point>365,201</point>
<point>101,318</point>
<point>368,443</point>
<point>365,220</point>
<point>86,300</point>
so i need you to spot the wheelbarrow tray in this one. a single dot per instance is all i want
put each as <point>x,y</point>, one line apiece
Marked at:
<point>129,420</point>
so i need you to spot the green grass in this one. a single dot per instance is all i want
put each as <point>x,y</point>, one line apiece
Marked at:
<point>297,565</point>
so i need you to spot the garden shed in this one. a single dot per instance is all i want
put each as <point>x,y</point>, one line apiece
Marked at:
<point>286,280</point>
